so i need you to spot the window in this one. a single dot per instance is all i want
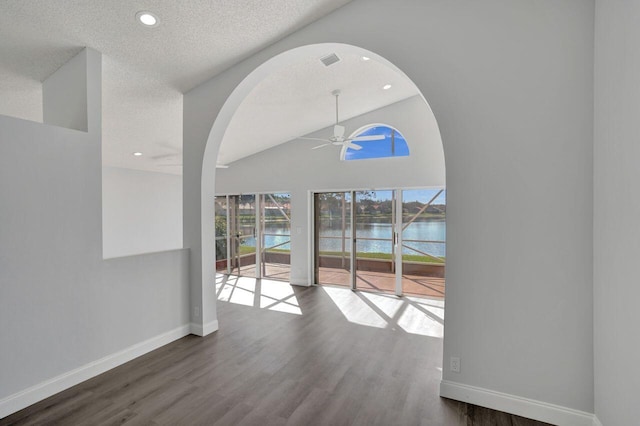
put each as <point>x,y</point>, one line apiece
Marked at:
<point>393,144</point>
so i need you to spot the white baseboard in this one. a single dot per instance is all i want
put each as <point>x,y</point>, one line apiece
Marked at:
<point>524,407</point>
<point>29,396</point>
<point>204,330</point>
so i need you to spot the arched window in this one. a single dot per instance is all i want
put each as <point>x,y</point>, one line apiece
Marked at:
<point>393,144</point>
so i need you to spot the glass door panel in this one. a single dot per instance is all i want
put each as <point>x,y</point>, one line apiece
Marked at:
<point>276,236</point>
<point>374,248</point>
<point>246,234</point>
<point>333,238</point>
<point>221,216</point>
<point>398,240</point>
<point>423,242</point>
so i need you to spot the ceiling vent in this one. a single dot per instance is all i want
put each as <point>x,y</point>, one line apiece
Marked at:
<point>330,59</point>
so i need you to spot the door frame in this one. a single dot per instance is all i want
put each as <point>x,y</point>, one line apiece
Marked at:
<point>397,231</point>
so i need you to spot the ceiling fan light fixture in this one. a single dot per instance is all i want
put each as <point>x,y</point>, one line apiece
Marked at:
<point>147,19</point>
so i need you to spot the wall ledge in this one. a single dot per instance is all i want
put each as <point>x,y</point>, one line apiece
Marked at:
<point>524,407</point>
<point>148,253</point>
<point>43,390</point>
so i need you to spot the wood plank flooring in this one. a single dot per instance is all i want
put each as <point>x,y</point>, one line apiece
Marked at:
<point>315,364</point>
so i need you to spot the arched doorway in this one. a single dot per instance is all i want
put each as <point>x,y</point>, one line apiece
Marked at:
<point>303,256</point>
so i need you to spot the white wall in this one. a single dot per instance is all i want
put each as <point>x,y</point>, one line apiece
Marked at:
<point>64,311</point>
<point>141,212</point>
<point>516,118</point>
<point>22,98</point>
<point>65,95</point>
<point>295,168</point>
<point>616,212</point>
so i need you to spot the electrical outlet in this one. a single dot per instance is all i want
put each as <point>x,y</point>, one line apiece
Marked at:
<point>455,364</point>
<point>196,311</point>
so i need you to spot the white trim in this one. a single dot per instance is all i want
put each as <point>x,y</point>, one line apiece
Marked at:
<point>596,421</point>
<point>204,330</point>
<point>524,407</point>
<point>43,390</point>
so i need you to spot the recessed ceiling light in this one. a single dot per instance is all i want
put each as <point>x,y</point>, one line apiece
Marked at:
<point>147,19</point>
<point>365,58</point>
<point>386,87</point>
<point>137,154</point>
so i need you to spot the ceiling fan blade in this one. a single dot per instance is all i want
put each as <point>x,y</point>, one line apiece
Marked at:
<point>321,146</point>
<point>312,139</point>
<point>368,138</point>
<point>352,146</point>
<point>338,131</point>
<point>160,156</point>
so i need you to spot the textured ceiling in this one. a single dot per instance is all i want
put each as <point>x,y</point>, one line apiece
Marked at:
<point>146,70</point>
<point>195,40</point>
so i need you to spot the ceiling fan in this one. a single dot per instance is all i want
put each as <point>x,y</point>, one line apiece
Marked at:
<point>338,137</point>
<point>169,153</point>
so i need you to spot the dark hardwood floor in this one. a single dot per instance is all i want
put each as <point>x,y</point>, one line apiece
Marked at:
<point>315,366</point>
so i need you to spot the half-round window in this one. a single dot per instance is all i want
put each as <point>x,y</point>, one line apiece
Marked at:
<point>390,144</point>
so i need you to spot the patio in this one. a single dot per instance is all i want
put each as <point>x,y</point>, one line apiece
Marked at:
<point>414,285</point>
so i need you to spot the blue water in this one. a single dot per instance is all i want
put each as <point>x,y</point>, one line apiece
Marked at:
<point>431,231</point>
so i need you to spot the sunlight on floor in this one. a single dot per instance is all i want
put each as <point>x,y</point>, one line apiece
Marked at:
<point>264,294</point>
<point>236,290</point>
<point>278,296</point>
<point>354,308</point>
<point>413,315</point>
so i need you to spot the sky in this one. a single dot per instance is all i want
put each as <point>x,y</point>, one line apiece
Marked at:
<point>422,195</point>
<point>380,148</point>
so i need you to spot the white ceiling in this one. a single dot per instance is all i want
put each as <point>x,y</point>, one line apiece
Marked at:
<point>146,70</point>
<point>297,100</point>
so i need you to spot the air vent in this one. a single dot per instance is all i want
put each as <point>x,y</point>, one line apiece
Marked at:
<point>330,59</point>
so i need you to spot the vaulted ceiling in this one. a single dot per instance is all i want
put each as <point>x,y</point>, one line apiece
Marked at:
<point>146,70</point>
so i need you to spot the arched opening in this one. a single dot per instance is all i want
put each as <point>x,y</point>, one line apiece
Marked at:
<point>287,164</point>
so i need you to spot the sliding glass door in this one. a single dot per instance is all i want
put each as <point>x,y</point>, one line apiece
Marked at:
<point>253,235</point>
<point>223,248</point>
<point>390,241</point>
<point>374,244</point>
<point>422,241</point>
<point>243,233</point>
<point>275,232</point>
<point>235,220</point>
<point>333,238</point>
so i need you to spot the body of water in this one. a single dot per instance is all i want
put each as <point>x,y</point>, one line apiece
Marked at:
<point>371,238</point>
